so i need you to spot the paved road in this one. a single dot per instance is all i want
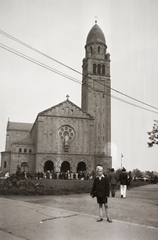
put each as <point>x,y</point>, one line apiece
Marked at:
<point>74,217</point>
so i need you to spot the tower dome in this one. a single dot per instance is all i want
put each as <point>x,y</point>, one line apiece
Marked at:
<point>95,35</point>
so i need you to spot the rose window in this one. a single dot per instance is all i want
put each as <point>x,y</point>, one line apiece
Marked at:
<point>66,133</point>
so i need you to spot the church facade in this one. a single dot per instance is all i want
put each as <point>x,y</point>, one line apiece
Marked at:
<point>66,137</point>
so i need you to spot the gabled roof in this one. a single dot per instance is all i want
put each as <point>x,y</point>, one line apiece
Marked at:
<point>66,109</point>
<point>19,126</point>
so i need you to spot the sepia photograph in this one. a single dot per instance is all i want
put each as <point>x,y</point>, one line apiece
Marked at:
<point>78,119</point>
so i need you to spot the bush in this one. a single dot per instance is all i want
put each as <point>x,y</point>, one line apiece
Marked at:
<point>13,186</point>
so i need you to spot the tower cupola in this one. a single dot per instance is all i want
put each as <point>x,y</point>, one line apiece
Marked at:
<point>95,35</point>
<point>95,43</point>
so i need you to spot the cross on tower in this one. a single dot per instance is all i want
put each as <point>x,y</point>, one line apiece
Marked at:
<point>96,19</point>
<point>67,96</point>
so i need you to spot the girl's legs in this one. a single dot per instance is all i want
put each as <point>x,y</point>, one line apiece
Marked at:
<point>107,213</point>
<point>101,211</point>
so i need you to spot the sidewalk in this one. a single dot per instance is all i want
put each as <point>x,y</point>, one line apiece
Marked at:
<point>21,220</point>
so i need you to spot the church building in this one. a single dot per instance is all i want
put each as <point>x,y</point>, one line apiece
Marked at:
<point>66,137</point>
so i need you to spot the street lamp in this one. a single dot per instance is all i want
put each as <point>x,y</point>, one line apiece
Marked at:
<point>121,159</point>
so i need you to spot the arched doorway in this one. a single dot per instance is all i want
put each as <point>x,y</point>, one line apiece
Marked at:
<point>48,166</point>
<point>65,166</point>
<point>81,167</point>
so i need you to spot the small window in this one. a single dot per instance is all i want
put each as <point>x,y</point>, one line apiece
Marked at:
<point>67,110</point>
<point>5,164</point>
<point>20,150</point>
<point>94,68</point>
<point>71,111</point>
<point>30,150</point>
<point>99,67</point>
<point>62,111</point>
<point>103,69</point>
<point>25,150</point>
<point>91,49</point>
<point>98,49</point>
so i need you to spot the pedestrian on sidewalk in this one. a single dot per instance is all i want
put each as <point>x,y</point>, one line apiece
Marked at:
<point>129,178</point>
<point>100,190</point>
<point>123,183</point>
<point>113,181</point>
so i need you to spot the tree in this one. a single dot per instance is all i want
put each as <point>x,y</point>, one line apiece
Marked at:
<point>136,173</point>
<point>153,135</point>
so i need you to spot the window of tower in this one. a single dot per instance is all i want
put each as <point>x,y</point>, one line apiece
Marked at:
<point>91,49</point>
<point>98,49</point>
<point>5,164</point>
<point>103,69</point>
<point>94,68</point>
<point>99,68</point>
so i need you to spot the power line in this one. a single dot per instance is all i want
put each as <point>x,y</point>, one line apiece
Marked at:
<point>66,76</point>
<point>36,50</point>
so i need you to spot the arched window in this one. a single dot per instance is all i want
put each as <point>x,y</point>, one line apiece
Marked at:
<point>98,49</point>
<point>94,68</point>
<point>99,68</point>
<point>20,150</point>
<point>25,150</point>
<point>91,49</point>
<point>5,164</point>
<point>103,69</point>
<point>30,150</point>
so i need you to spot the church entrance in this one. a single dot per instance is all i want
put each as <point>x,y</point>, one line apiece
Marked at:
<point>81,167</point>
<point>48,166</point>
<point>65,166</point>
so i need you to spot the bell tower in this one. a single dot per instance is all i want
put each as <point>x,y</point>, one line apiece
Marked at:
<point>96,93</point>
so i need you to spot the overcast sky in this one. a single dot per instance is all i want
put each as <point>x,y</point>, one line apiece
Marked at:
<point>59,28</point>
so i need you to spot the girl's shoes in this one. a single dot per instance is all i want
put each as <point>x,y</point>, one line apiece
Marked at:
<point>109,220</point>
<point>100,220</point>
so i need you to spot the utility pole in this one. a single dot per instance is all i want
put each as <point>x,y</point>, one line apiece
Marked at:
<point>121,159</point>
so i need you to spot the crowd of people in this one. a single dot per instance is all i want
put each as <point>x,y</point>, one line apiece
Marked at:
<point>81,175</point>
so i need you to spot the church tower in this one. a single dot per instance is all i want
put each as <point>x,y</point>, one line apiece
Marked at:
<point>96,93</point>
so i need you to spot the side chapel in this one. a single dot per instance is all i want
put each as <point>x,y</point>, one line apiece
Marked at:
<point>67,137</point>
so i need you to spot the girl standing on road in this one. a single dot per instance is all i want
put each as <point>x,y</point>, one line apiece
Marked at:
<point>101,190</point>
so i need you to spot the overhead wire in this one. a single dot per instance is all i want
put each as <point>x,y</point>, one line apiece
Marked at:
<point>36,50</point>
<point>66,76</point>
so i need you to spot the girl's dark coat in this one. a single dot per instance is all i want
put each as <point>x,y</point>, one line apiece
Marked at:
<point>101,187</point>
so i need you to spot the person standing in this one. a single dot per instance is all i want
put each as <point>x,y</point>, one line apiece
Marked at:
<point>123,183</point>
<point>100,190</point>
<point>113,181</point>
<point>129,178</point>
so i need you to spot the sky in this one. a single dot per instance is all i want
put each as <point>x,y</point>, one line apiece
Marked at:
<point>59,28</point>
